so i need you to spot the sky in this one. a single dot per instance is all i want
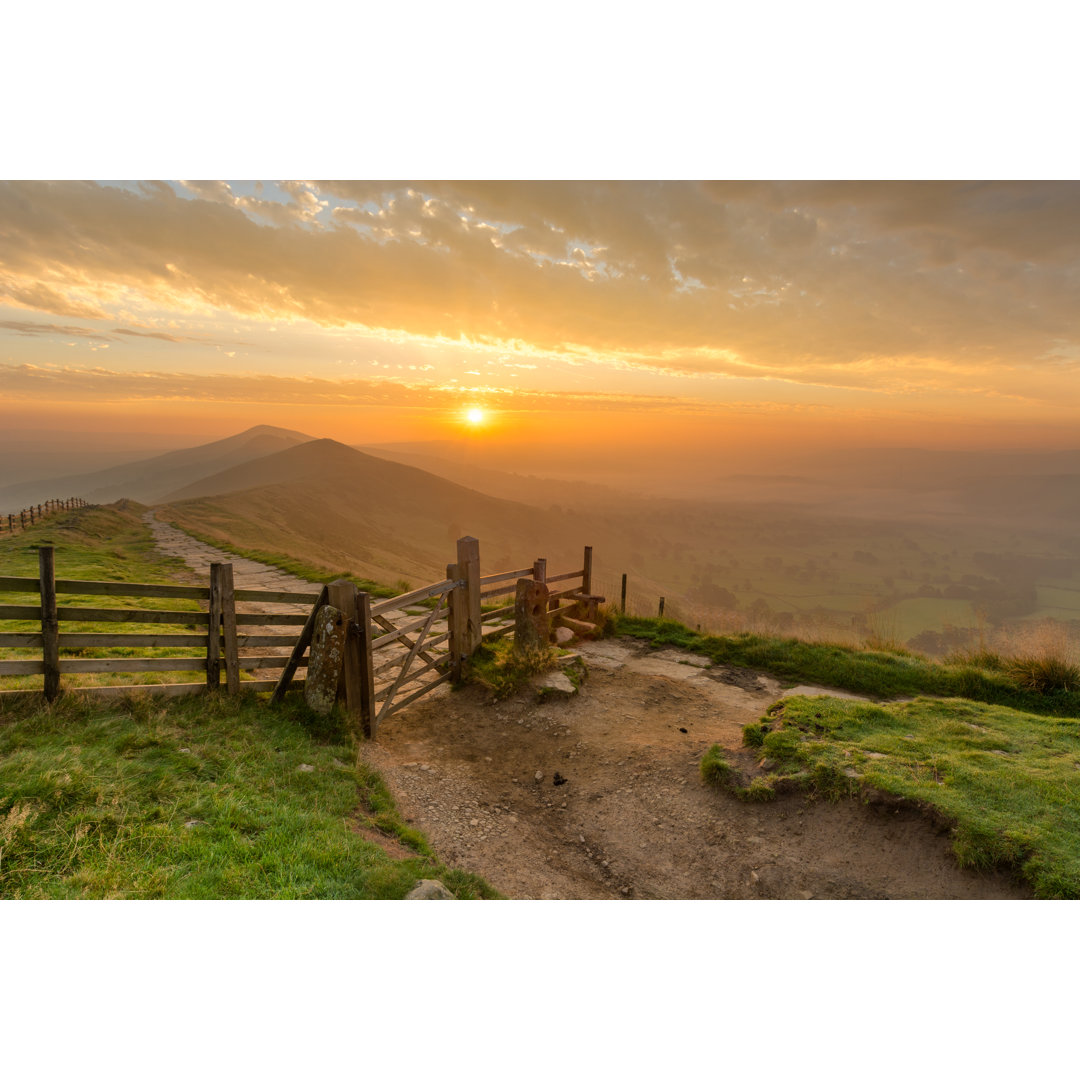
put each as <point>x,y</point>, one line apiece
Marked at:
<point>930,313</point>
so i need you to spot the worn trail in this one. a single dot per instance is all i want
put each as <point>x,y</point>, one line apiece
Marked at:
<point>599,795</point>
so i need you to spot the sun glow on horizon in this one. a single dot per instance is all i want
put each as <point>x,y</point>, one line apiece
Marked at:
<point>475,416</point>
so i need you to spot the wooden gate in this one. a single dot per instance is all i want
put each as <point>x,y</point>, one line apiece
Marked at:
<point>400,649</point>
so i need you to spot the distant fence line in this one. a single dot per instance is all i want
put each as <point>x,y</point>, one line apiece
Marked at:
<point>395,650</point>
<point>31,515</point>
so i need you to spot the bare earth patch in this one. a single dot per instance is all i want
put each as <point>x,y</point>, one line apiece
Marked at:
<point>599,795</point>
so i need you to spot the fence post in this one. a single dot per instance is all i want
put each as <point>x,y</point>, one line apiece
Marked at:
<point>622,595</point>
<point>357,674</point>
<point>50,624</point>
<point>364,642</point>
<point>228,627</point>
<point>540,571</point>
<point>213,642</point>
<point>456,619</point>
<point>468,558</point>
<point>586,577</point>
<point>661,614</point>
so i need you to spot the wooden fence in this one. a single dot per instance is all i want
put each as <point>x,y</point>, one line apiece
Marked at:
<point>31,515</point>
<point>396,649</point>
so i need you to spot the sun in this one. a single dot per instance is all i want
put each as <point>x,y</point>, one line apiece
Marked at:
<point>475,416</point>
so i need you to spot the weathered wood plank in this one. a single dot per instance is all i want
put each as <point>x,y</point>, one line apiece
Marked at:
<point>250,663</point>
<point>264,596</point>
<point>502,631</point>
<point>134,663</point>
<point>251,619</point>
<point>502,590</point>
<point>20,611</point>
<point>407,628</point>
<point>586,573</point>
<point>420,672</point>
<point>50,623</point>
<point>266,641</point>
<point>133,641</point>
<point>419,693</point>
<point>22,641</point>
<point>136,615</point>
<point>498,613</point>
<point>565,577</point>
<point>302,642</point>
<point>491,579</point>
<point>132,588</point>
<point>405,599</point>
<point>20,584</point>
<point>22,667</point>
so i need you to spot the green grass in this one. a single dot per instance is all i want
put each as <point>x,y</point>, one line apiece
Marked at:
<point>1009,781</point>
<point>296,567</point>
<point>201,798</point>
<point>498,666</point>
<point>877,673</point>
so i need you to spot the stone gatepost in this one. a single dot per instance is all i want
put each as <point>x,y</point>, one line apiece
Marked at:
<point>532,628</point>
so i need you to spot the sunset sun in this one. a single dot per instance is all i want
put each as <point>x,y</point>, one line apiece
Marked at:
<point>475,416</point>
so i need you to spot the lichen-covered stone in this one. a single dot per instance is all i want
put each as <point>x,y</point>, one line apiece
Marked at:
<point>325,659</point>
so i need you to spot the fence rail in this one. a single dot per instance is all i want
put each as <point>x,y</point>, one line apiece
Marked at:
<point>31,515</point>
<point>416,651</point>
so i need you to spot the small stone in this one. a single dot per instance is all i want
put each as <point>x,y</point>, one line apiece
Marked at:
<point>305,768</point>
<point>539,775</point>
<point>474,822</point>
<point>184,750</point>
<point>425,768</point>
<point>563,635</point>
<point>487,759</point>
<point>192,823</point>
<point>427,889</point>
<point>806,895</point>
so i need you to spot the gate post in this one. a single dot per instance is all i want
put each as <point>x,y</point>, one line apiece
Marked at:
<point>356,673</point>
<point>468,559</point>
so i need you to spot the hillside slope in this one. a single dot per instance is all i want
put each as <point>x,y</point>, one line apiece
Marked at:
<point>325,503</point>
<point>151,479</point>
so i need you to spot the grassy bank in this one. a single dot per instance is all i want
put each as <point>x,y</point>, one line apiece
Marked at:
<point>881,674</point>
<point>200,798</point>
<point>1006,780</point>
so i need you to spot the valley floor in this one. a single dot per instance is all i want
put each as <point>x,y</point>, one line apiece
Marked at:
<point>633,818</point>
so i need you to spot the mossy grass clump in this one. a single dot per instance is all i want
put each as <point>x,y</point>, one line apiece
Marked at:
<point>504,670</point>
<point>717,770</point>
<point>1003,778</point>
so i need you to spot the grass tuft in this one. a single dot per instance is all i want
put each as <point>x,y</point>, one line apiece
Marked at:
<point>505,670</point>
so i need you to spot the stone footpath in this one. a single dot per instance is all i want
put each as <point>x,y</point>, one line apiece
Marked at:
<point>247,574</point>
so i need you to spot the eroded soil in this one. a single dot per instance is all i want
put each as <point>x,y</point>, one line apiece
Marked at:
<point>599,795</point>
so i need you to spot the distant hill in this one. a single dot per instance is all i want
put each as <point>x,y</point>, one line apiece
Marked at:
<point>543,491</point>
<point>150,479</point>
<point>326,503</point>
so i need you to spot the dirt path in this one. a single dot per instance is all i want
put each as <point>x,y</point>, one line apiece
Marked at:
<point>633,818</point>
